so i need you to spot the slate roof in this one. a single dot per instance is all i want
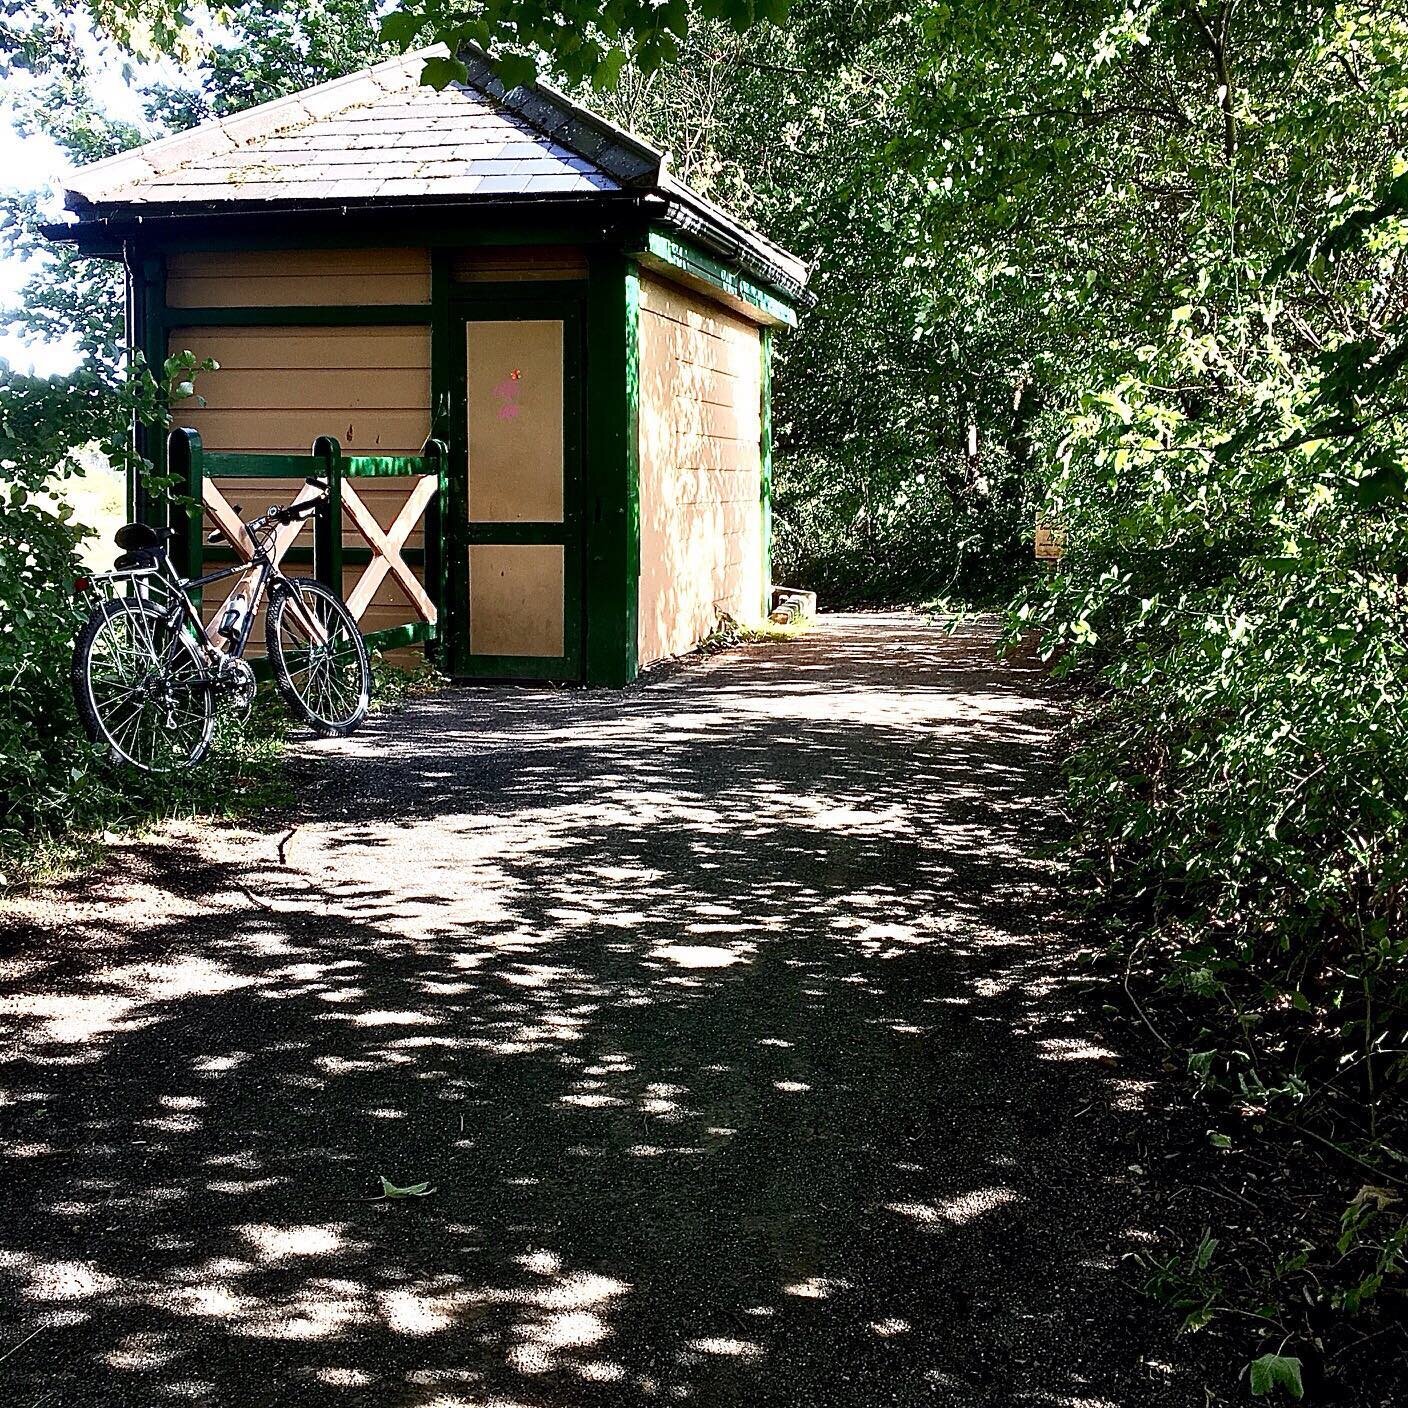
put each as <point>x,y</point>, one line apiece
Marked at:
<point>379,137</point>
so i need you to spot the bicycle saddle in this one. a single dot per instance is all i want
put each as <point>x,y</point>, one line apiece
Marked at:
<point>142,544</point>
<point>136,537</point>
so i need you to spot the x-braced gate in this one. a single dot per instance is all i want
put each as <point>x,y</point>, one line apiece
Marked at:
<point>383,552</point>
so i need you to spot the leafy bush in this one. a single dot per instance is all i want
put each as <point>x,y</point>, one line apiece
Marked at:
<point>46,774</point>
<point>43,779</point>
<point>1235,590</point>
<point>856,536</point>
<point>396,682</point>
<point>52,780</point>
<point>1235,599</point>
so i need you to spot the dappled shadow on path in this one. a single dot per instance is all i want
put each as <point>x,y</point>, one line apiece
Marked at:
<point>727,1015</point>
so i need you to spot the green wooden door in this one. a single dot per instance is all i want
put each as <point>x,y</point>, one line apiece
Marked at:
<point>516,469</point>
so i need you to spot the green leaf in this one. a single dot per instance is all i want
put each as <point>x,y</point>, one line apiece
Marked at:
<point>676,16</point>
<point>412,1190</point>
<point>400,29</point>
<point>516,69</point>
<point>1274,1371</point>
<point>608,72</point>
<point>1387,482</point>
<point>439,73</point>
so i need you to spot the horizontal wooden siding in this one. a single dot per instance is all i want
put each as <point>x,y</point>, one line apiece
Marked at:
<point>278,388</point>
<point>287,278</point>
<point>701,539</point>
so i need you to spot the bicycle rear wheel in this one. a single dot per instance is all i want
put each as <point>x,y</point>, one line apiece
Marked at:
<point>319,657</point>
<point>141,688</point>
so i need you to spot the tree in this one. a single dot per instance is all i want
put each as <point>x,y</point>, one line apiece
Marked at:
<point>877,494</point>
<point>586,40</point>
<point>268,50</point>
<point>44,37</point>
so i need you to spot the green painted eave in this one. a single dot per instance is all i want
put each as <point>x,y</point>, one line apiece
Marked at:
<point>687,263</point>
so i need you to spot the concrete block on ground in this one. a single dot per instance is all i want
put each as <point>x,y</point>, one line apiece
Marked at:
<point>803,603</point>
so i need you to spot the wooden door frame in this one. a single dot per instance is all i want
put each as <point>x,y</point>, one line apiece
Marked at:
<point>520,301</point>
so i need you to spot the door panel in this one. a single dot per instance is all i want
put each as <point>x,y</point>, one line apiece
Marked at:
<point>517,462</point>
<point>515,388</point>
<point>516,599</point>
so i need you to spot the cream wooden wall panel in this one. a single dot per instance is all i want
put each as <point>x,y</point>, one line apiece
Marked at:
<point>377,348</point>
<point>297,278</point>
<point>700,357</point>
<point>689,309</point>
<point>708,420</point>
<point>723,476</point>
<point>718,388</point>
<point>700,469</point>
<point>372,430</point>
<point>277,389</point>
<point>234,389</point>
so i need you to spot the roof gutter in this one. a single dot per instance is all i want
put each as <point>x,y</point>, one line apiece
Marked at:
<point>98,224</point>
<point>104,230</point>
<point>736,253</point>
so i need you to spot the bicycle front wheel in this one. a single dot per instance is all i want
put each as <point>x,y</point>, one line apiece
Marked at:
<point>141,688</point>
<point>319,657</point>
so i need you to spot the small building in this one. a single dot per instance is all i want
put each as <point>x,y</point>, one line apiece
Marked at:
<point>506,272</point>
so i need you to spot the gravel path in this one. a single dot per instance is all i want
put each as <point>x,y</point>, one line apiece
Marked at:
<point>727,1016</point>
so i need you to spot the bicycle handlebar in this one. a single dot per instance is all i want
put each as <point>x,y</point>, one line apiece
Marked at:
<point>280,513</point>
<point>291,513</point>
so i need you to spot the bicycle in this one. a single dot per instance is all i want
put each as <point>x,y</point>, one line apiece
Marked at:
<point>149,675</point>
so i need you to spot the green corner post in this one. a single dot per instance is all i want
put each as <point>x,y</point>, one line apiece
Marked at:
<point>147,335</point>
<point>765,462</point>
<point>613,469</point>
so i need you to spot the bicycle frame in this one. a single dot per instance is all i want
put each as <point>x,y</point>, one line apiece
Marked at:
<point>263,576</point>
<point>260,569</point>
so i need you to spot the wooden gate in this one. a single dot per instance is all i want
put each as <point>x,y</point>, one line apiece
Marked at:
<point>407,489</point>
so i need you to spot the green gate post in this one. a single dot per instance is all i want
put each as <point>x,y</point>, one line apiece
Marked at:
<point>436,454</point>
<point>185,463</point>
<point>327,527</point>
